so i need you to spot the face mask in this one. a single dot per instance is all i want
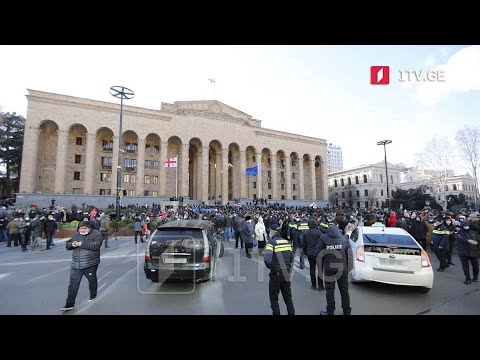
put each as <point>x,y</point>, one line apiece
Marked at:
<point>50,218</point>
<point>448,222</point>
<point>418,219</point>
<point>83,233</point>
<point>466,227</point>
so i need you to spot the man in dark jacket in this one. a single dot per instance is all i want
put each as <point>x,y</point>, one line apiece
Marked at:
<point>419,231</point>
<point>247,235</point>
<point>440,242</point>
<point>86,244</point>
<point>278,257</point>
<point>237,227</point>
<point>310,242</point>
<point>468,251</point>
<point>450,227</point>
<point>335,254</point>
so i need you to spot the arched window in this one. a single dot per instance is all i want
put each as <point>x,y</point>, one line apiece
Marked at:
<point>335,182</point>
<point>342,182</point>
<point>454,187</point>
<point>365,179</point>
<point>349,181</point>
<point>356,179</point>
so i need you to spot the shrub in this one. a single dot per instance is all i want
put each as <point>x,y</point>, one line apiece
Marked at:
<point>126,224</point>
<point>70,225</point>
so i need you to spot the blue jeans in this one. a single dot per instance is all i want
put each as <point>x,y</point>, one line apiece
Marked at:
<point>4,235</point>
<point>227,233</point>
<point>297,245</point>
<point>50,239</point>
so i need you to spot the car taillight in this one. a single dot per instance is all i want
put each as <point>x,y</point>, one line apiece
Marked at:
<point>360,254</point>
<point>147,253</point>
<point>206,249</point>
<point>425,259</point>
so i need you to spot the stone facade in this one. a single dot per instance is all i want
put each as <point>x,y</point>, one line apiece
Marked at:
<point>71,147</point>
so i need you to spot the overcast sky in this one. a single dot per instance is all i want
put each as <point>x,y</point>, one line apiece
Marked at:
<point>320,91</point>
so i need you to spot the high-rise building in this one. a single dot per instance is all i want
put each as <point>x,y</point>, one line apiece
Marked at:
<point>334,158</point>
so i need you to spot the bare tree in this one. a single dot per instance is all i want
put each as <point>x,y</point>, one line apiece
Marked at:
<point>372,198</point>
<point>468,141</point>
<point>333,198</point>
<point>436,159</point>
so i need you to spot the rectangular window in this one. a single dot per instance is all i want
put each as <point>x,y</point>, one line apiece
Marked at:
<point>366,192</point>
<point>358,193</point>
<point>146,179</point>
<point>156,149</point>
<point>282,175</point>
<point>148,148</point>
<point>381,192</point>
<point>366,204</point>
<point>154,193</point>
<point>145,193</point>
<point>76,191</point>
<point>254,184</point>
<point>76,175</point>
<point>293,175</point>
<point>155,164</point>
<point>131,192</point>
<point>147,164</point>
<point>155,179</point>
<point>254,158</point>
<point>105,177</point>
<point>282,163</point>
<point>79,141</point>
<point>269,173</point>
<point>282,186</point>
<point>283,197</point>
<point>381,178</point>
<point>254,196</point>
<point>269,186</point>
<point>131,147</point>
<point>293,163</point>
<point>107,162</point>
<point>107,145</point>
<point>132,178</point>
<point>294,187</point>
<point>358,204</point>
<point>126,178</point>
<point>78,159</point>
<point>105,191</point>
<point>269,197</point>
<point>130,164</point>
<point>294,197</point>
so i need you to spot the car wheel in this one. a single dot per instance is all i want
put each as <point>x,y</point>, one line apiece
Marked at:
<point>424,290</point>
<point>222,250</point>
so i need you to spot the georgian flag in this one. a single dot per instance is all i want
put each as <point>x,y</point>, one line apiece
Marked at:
<point>171,163</point>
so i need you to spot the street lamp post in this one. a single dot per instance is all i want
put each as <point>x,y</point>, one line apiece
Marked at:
<point>384,143</point>
<point>123,93</point>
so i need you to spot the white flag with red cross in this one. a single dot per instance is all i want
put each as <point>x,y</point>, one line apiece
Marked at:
<point>171,162</point>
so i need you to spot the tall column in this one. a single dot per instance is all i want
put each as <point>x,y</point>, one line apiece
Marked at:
<point>273,180</point>
<point>218,176</point>
<point>323,171</point>
<point>29,159</point>
<point>301,180</point>
<point>243,177</point>
<point>235,177</point>
<point>204,170</point>
<point>140,185</point>
<point>89,165</point>
<point>259,176</point>
<point>288,177</point>
<point>183,186</point>
<point>224,175</point>
<point>163,170</point>
<point>60,164</point>
<point>199,191</point>
<point>113,185</point>
<point>312,176</point>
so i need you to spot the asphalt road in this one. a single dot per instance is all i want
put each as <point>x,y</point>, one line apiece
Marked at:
<point>37,282</point>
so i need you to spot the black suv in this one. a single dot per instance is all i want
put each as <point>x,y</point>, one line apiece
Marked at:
<point>183,250</point>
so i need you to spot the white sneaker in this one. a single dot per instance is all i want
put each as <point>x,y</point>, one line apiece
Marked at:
<point>91,299</point>
<point>66,308</point>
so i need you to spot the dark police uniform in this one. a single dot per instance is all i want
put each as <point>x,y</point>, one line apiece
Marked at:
<point>278,257</point>
<point>337,260</point>
<point>440,236</point>
<point>302,226</point>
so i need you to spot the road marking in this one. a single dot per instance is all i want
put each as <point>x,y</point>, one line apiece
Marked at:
<point>66,260</point>
<point>45,275</point>
<point>103,294</point>
<point>104,276</point>
<point>101,287</point>
<point>4,275</point>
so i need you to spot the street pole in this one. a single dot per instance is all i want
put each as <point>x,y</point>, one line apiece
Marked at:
<point>123,93</point>
<point>384,143</point>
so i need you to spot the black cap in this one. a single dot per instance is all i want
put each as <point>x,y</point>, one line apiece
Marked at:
<point>86,223</point>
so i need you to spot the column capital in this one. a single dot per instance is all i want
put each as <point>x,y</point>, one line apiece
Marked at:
<point>140,140</point>
<point>273,155</point>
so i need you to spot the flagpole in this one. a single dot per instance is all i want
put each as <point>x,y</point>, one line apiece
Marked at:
<point>176,180</point>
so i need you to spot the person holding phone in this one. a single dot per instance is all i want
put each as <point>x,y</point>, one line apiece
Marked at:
<point>85,246</point>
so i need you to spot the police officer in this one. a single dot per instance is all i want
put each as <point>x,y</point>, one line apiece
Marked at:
<point>302,226</point>
<point>440,236</point>
<point>278,257</point>
<point>310,241</point>
<point>450,227</point>
<point>335,254</point>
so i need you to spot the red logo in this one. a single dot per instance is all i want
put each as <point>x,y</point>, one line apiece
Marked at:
<point>380,75</point>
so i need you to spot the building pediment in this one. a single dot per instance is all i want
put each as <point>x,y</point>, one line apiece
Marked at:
<point>212,109</point>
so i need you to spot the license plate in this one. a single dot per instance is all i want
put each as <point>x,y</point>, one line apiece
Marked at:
<point>395,262</point>
<point>174,260</point>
